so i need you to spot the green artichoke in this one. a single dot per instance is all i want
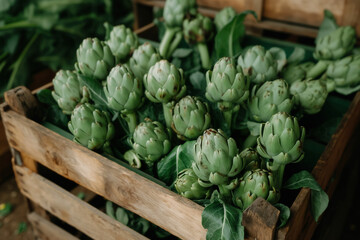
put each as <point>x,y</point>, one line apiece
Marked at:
<point>292,73</point>
<point>144,57</point>
<point>124,93</point>
<point>309,94</point>
<point>223,17</point>
<point>164,83</point>
<point>191,118</point>
<point>336,44</point>
<point>251,158</point>
<point>254,184</point>
<point>187,185</point>
<point>198,31</point>
<point>68,91</point>
<point>345,74</point>
<point>94,58</point>
<point>151,141</point>
<point>217,158</point>
<point>122,42</point>
<point>227,86</point>
<point>91,127</point>
<point>258,64</point>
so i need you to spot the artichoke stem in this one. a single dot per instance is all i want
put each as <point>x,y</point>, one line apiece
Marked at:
<point>278,176</point>
<point>131,120</point>
<point>174,44</point>
<point>166,41</point>
<point>167,109</point>
<point>330,85</point>
<point>250,141</point>
<point>204,55</point>
<point>317,70</point>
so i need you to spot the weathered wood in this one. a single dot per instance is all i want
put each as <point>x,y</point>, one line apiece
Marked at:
<point>45,230</point>
<point>350,15</point>
<point>71,209</point>
<point>261,215</point>
<point>106,178</point>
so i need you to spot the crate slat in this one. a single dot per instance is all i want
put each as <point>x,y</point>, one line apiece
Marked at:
<point>166,209</point>
<point>46,230</point>
<point>71,209</point>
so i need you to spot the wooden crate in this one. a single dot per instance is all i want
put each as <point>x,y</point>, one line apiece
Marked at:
<point>299,17</point>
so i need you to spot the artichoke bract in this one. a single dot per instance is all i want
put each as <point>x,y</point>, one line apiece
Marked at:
<point>336,44</point>
<point>310,95</point>
<point>227,86</point>
<point>94,58</point>
<point>217,158</point>
<point>198,31</point>
<point>345,74</point>
<point>91,127</point>
<point>254,184</point>
<point>151,141</point>
<point>223,17</point>
<point>293,73</point>
<point>122,42</point>
<point>165,83</point>
<point>68,91</point>
<point>187,185</point>
<point>251,158</point>
<point>258,64</point>
<point>124,93</point>
<point>144,57</point>
<point>191,118</point>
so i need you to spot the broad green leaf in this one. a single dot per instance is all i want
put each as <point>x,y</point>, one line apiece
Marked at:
<point>45,96</point>
<point>319,203</point>
<point>347,90</point>
<point>198,83</point>
<point>182,52</point>
<point>179,158</point>
<point>228,39</point>
<point>300,180</point>
<point>5,5</point>
<point>96,91</point>
<point>328,25</point>
<point>223,221</point>
<point>284,214</point>
<point>297,56</point>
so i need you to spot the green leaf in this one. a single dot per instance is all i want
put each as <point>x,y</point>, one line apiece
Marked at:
<point>300,180</point>
<point>22,227</point>
<point>5,5</point>
<point>297,56</point>
<point>198,83</point>
<point>284,214</point>
<point>45,96</point>
<point>179,158</point>
<point>96,91</point>
<point>228,39</point>
<point>319,203</point>
<point>347,90</point>
<point>110,209</point>
<point>223,221</point>
<point>182,52</point>
<point>327,26</point>
<point>5,209</point>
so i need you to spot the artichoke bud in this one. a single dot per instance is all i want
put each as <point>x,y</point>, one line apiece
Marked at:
<point>254,184</point>
<point>310,95</point>
<point>251,158</point>
<point>187,185</point>
<point>68,91</point>
<point>198,29</point>
<point>94,58</point>
<point>164,82</point>
<point>270,98</point>
<point>191,118</point>
<point>151,141</point>
<point>91,127</point>
<point>294,73</point>
<point>281,139</point>
<point>336,44</point>
<point>123,91</point>
<point>122,42</point>
<point>224,17</point>
<point>176,10</point>
<point>258,64</point>
<point>142,59</point>
<point>216,158</point>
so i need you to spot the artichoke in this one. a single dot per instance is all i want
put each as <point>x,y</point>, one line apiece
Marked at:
<point>144,57</point>
<point>227,86</point>
<point>217,158</point>
<point>175,12</point>
<point>251,158</point>
<point>198,31</point>
<point>254,184</point>
<point>187,185</point>
<point>293,73</point>
<point>309,94</point>
<point>224,17</point>
<point>122,42</point>
<point>281,140</point>
<point>336,44</point>
<point>94,58</point>
<point>91,127</point>
<point>345,74</point>
<point>68,91</point>
<point>151,141</point>
<point>124,93</point>
<point>164,83</point>
<point>191,118</point>
<point>258,64</point>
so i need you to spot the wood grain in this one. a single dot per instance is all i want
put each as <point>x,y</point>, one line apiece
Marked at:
<point>71,209</point>
<point>46,230</point>
<point>104,177</point>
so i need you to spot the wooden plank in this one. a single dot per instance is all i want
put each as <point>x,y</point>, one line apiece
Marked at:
<point>166,209</point>
<point>45,230</point>
<point>71,209</point>
<point>351,16</point>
